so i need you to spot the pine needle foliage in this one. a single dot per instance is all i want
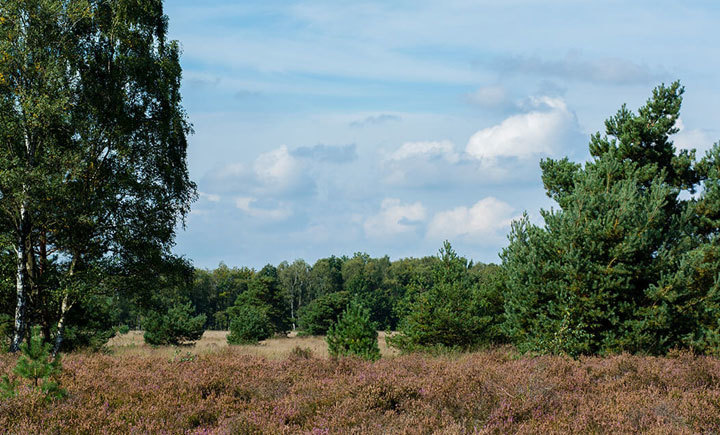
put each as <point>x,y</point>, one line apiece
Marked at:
<point>354,334</point>
<point>175,327</point>
<point>36,365</point>
<point>453,314</point>
<point>249,324</point>
<point>630,260</point>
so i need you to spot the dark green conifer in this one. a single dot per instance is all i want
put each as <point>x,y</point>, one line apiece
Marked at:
<point>354,334</point>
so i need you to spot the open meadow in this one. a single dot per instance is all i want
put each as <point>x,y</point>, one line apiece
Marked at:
<point>275,348</point>
<point>291,386</point>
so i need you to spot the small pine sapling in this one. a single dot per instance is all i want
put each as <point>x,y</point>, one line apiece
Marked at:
<point>354,334</point>
<point>37,365</point>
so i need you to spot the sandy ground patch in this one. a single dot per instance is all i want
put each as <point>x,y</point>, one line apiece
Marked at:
<point>132,343</point>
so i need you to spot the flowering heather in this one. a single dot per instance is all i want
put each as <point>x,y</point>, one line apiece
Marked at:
<point>488,392</point>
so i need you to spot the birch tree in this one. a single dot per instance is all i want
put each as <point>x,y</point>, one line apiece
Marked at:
<point>92,148</point>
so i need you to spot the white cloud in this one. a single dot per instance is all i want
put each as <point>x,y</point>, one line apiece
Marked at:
<point>427,150</point>
<point>274,173</point>
<point>689,139</point>
<point>209,196</point>
<point>484,219</point>
<point>394,218</point>
<point>246,204</point>
<point>541,131</point>
<point>276,167</point>
<point>488,96</point>
<point>375,120</point>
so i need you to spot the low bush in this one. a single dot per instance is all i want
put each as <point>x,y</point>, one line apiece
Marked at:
<point>249,324</point>
<point>490,392</point>
<point>177,326</point>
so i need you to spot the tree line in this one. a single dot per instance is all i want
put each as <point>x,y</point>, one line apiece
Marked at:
<point>94,182</point>
<point>629,261</point>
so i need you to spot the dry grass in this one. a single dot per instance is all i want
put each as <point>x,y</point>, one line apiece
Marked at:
<point>132,343</point>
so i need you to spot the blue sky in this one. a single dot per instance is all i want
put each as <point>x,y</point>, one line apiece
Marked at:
<point>332,127</point>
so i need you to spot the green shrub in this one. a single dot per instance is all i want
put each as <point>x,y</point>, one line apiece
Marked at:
<point>123,329</point>
<point>455,313</point>
<point>249,324</point>
<point>354,334</point>
<point>316,317</point>
<point>176,327</point>
<point>37,365</point>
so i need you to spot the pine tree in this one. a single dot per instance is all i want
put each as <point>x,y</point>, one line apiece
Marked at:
<point>177,326</point>
<point>249,324</point>
<point>452,314</point>
<point>626,263</point>
<point>354,334</point>
<point>37,365</point>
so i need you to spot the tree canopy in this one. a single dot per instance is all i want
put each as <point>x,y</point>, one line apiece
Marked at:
<point>92,150</point>
<point>629,260</point>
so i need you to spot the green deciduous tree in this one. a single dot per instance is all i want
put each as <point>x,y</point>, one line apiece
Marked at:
<point>93,178</point>
<point>366,278</point>
<point>264,293</point>
<point>295,280</point>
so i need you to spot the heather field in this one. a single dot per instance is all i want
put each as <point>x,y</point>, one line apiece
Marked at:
<point>290,386</point>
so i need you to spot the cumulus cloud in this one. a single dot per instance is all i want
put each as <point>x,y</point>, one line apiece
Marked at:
<point>246,205</point>
<point>328,153</point>
<point>686,138</point>
<point>541,131</point>
<point>375,120</point>
<point>394,218</point>
<point>484,219</point>
<point>425,164</point>
<point>274,173</point>
<point>276,166</point>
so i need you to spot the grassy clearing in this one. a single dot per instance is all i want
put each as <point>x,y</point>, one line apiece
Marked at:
<point>271,389</point>
<point>275,348</point>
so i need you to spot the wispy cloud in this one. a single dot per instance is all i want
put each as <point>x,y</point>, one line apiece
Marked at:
<point>574,66</point>
<point>427,150</point>
<point>328,153</point>
<point>375,120</point>
<point>246,204</point>
<point>489,96</point>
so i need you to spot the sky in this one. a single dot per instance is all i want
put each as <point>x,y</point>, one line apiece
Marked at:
<point>332,127</point>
